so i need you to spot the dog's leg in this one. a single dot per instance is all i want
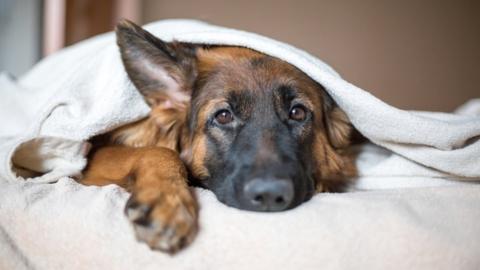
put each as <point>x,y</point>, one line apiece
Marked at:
<point>162,208</point>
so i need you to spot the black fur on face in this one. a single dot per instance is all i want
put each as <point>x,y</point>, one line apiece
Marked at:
<point>260,142</point>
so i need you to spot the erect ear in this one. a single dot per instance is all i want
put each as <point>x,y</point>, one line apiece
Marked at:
<point>163,72</point>
<point>337,124</point>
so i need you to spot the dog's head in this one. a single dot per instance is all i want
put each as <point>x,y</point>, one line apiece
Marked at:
<point>255,130</point>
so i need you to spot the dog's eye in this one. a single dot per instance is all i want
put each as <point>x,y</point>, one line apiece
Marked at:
<point>298,113</point>
<point>223,117</point>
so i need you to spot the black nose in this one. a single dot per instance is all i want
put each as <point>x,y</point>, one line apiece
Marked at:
<point>268,194</point>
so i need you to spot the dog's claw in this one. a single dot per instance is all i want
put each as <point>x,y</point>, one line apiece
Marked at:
<point>167,224</point>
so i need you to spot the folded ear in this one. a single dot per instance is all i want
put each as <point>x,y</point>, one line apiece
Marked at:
<point>163,72</point>
<point>337,124</point>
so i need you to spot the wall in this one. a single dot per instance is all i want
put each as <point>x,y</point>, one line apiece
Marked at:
<point>412,54</point>
<point>20,34</point>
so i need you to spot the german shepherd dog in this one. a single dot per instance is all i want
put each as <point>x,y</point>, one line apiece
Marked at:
<point>253,129</point>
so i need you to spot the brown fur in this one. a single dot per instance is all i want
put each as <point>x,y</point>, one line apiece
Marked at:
<point>150,157</point>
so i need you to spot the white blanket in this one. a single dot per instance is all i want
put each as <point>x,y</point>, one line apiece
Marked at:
<point>420,215</point>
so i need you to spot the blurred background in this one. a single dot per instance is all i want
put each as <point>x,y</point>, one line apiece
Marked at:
<point>422,55</point>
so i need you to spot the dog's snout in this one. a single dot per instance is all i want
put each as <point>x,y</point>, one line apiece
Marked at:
<point>268,195</point>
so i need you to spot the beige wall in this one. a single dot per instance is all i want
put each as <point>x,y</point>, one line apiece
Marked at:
<point>412,54</point>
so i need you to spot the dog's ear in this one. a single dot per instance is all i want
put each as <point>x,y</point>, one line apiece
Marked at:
<point>337,124</point>
<point>333,168</point>
<point>163,72</point>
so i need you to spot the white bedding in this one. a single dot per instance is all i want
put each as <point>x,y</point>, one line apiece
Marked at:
<point>69,226</point>
<point>415,205</point>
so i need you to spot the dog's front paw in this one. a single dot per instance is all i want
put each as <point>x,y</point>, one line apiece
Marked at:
<point>166,222</point>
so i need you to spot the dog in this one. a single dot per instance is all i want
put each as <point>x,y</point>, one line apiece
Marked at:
<point>253,129</point>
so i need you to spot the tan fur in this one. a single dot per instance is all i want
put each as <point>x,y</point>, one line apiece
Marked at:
<point>162,128</point>
<point>334,169</point>
<point>159,193</point>
<point>339,128</point>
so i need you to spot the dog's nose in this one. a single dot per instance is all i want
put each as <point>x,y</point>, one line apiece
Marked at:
<point>268,194</point>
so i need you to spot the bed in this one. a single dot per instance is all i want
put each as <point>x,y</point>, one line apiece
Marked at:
<point>415,204</point>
